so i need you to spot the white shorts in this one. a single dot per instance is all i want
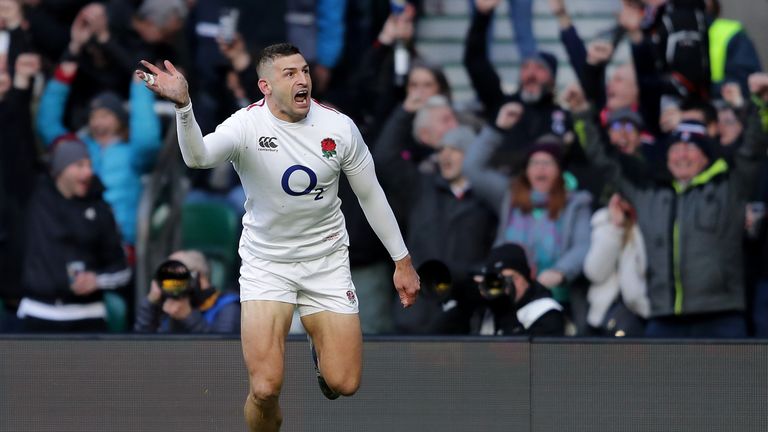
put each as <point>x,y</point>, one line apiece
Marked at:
<point>323,284</point>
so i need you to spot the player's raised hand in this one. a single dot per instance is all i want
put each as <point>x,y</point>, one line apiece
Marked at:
<point>169,84</point>
<point>406,281</point>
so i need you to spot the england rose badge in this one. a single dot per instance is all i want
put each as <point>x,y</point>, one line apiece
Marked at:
<point>329,147</point>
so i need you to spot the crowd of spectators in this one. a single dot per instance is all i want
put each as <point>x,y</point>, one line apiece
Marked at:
<point>629,202</point>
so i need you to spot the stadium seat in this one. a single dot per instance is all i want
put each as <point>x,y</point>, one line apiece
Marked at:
<point>213,229</point>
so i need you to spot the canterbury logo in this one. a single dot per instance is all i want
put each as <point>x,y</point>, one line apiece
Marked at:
<point>267,142</point>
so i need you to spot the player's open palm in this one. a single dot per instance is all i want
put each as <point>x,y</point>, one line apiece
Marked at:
<point>169,84</point>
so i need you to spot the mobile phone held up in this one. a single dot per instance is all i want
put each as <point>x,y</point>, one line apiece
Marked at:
<point>228,18</point>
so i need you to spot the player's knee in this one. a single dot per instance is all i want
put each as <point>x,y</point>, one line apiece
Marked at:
<point>346,386</point>
<point>257,411</point>
<point>265,390</point>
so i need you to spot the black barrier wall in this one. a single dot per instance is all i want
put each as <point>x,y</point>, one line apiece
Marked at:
<point>408,385</point>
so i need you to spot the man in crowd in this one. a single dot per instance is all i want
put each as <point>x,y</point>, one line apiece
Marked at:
<point>515,303</point>
<point>693,224</point>
<point>73,252</point>
<point>181,299</point>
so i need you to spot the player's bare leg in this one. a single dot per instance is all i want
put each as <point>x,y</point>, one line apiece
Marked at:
<point>338,341</point>
<point>264,327</point>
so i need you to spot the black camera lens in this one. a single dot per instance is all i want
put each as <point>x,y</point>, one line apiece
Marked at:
<point>494,285</point>
<point>173,278</point>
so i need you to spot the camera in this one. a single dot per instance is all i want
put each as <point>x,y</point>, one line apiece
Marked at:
<point>494,285</point>
<point>435,279</point>
<point>176,280</point>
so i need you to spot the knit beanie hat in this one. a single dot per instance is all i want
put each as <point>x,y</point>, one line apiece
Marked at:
<point>693,132</point>
<point>112,102</point>
<point>508,256</point>
<point>546,59</point>
<point>66,151</point>
<point>551,144</point>
<point>626,115</point>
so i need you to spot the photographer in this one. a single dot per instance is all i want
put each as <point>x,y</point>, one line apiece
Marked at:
<point>514,303</point>
<point>182,299</point>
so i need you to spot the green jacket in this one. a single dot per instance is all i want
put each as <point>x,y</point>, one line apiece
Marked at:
<point>693,233</point>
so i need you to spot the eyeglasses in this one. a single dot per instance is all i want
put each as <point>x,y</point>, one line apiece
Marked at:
<point>618,126</point>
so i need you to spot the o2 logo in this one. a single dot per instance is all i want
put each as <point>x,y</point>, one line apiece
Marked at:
<point>310,187</point>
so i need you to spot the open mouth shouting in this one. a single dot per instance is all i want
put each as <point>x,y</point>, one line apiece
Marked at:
<point>301,98</point>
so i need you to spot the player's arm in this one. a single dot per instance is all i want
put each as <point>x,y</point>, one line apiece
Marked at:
<point>198,152</point>
<point>382,220</point>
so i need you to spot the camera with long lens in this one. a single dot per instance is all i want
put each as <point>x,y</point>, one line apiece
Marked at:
<point>495,285</point>
<point>175,280</point>
<point>435,279</point>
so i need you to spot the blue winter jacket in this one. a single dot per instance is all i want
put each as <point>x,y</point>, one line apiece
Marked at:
<point>120,164</point>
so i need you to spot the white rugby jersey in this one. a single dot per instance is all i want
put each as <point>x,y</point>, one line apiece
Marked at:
<point>290,173</point>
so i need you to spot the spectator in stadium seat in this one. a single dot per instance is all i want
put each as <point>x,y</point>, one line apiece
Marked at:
<point>198,308</point>
<point>432,120</point>
<point>419,125</point>
<point>693,225</point>
<point>515,303</point>
<point>422,118</point>
<point>104,59</point>
<point>72,248</point>
<point>445,219</point>
<point>541,209</point>
<point>639,153</point>
<point>730,125</point>
<point>122,145</point>
<point>621,90</point>
<point>375,90</point>
<point>541,114</point>
<point>19,164</point>
<point>616,266</point>
<point>16,38</point>
<point>732,55</point>
<point>48,24</point>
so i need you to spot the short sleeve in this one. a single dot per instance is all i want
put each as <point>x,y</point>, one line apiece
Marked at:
<point>356,156</point>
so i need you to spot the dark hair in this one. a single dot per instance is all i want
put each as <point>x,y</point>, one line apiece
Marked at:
<point>706,108</point>
<point>272,52</point>
<point>444,88</point>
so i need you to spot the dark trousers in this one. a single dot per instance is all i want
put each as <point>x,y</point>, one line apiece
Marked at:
<point>715,325</point>
<point>36,325</point>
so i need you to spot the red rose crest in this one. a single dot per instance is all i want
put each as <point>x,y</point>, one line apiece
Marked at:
<point>329,147</point>
<point>351,297</point>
